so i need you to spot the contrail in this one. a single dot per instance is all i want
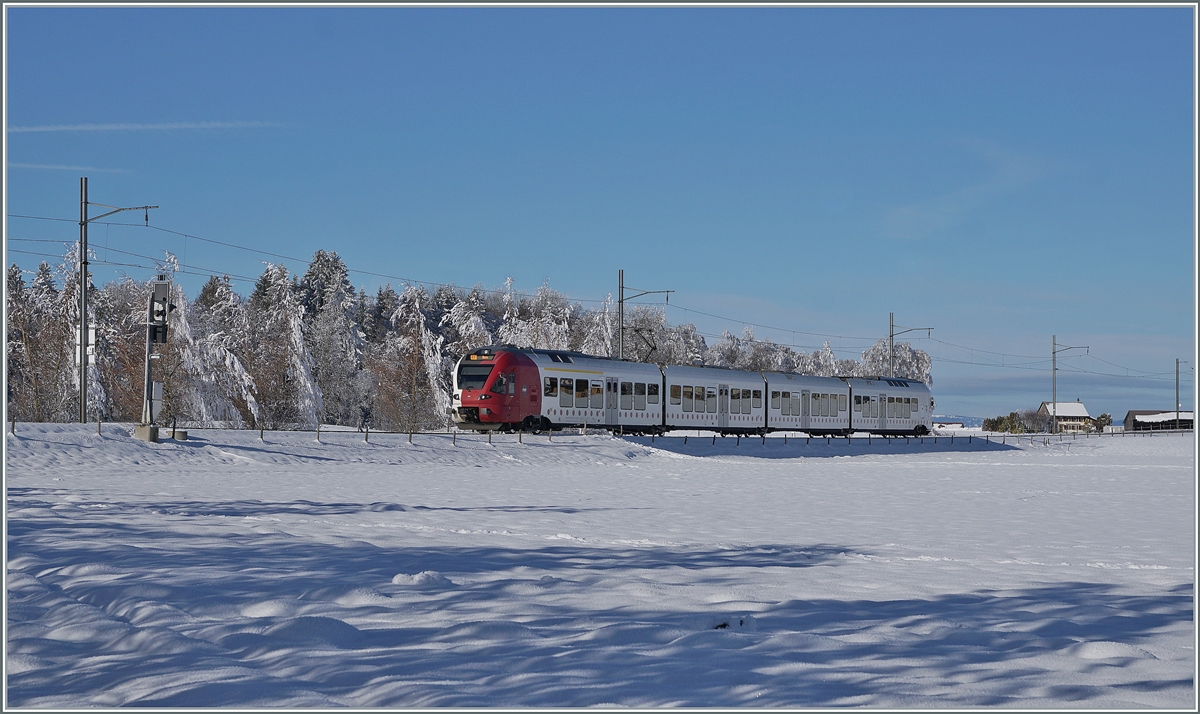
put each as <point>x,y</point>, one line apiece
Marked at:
<point>54,167</point>
<point>144,127</point>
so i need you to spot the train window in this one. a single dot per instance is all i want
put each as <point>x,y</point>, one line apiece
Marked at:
<point>597,394</point>
<point>676,394</point>
<point>473,376</point>
<point>687,398</point>
<point>627,395</point>
<point>799,404</point>
<point>735,401</point>
<point>858,402</point>
<point>566,398</point>
<point>712,399</point>
<point>787,404</point>
<point>775,400</point>
<point>891,408</point>
<point>550,388</point>
<point>816,405</point>
<point>512,383</point>
<point>639,395</point>
<point>841,402</point>
<point>500,386</point>
<point>824,405</point>
<point>746,401</point>
<point>581,394</point>
<point>652,393</point>
<point>756,396</point>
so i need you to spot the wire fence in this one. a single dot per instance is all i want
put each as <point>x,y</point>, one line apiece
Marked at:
<point>342,433</point>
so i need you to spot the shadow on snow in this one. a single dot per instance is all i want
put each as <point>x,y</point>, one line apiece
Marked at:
<point>534,651</point>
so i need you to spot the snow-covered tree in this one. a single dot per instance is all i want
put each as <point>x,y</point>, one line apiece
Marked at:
<point>214,334</point>
<point>726,352</point>
<point>409,370</point>
<point>334,337</point>
<point>908,362</point>
<point>279,361</point>
<point>465,325</point>
<point>540,322</point>
<point>594,332</point>
<point>42,375</point>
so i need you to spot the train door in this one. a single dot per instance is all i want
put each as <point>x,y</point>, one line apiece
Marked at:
<point>805,395</point>
<point>723,405</point>
<point>509,406</point>
<point>883,412</point>
<point>610,400</point>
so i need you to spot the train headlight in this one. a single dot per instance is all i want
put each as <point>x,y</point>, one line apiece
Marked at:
<point>485,396</point>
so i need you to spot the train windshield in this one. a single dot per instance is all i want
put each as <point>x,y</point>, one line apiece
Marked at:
<point>472,376</point>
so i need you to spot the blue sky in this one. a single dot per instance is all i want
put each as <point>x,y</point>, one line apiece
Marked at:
<point>999,174</point>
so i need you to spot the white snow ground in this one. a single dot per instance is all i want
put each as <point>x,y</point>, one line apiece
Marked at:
<point>228,571</point>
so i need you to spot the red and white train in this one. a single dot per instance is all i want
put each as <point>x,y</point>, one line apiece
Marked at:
<point>508,388</point>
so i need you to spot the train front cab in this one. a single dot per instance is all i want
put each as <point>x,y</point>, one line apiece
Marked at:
<point>496,388</point>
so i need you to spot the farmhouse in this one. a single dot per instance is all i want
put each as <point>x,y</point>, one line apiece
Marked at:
<point>1072,416</point>
<point>1155,419</point>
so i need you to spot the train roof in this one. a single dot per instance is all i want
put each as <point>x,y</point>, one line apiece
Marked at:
<point>887,381</point>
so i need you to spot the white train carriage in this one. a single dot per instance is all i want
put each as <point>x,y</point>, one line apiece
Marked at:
<point>580,390</point>
<point>817,405</point>
<point>711,398</point>
<point>891,405</point>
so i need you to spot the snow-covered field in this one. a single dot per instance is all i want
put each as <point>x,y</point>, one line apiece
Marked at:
<point>590,570</point>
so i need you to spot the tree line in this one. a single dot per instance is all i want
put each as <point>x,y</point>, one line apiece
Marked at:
<point>306,349</point>
<point>1033,421</point>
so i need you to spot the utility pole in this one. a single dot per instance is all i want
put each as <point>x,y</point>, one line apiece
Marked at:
<point>1054,350</point>
<point>1177,361</point>
<point>83,283</point>
<point>621,309</point>
<point>892,340</point>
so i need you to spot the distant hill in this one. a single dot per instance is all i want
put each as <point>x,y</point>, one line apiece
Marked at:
<point>968,422</point>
